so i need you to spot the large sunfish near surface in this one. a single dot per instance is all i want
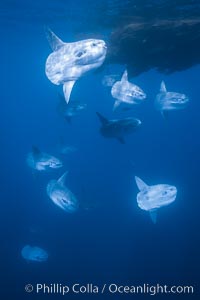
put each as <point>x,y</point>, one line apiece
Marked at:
<point>118,128</point>
<point>70,61</point>
<point>42,161</point>
<point>126,92</point>
<point>61,195</point>
<point>151,198</point>
<point>166,101</point>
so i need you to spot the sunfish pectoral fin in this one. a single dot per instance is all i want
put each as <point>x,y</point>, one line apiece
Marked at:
<point>153,215</point>
<point>163,87</point>
<point>54,41</point>
<point>67,88</point>
<point>124,76</point>
<point>116,104</point>
<point>141,184</point>
<point>62,179</point>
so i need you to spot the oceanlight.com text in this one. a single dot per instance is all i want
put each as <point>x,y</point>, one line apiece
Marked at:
<point>112,288</point>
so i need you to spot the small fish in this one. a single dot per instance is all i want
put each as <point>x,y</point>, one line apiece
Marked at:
<point>41,161</point>
<point>61,195</point>
<point>70,61</point>
<point>166,101</point>
<point>68,111</point>
<point>151,198</point>
<point>35,254</point>
<point>118,128</point>
<point>127,92</point>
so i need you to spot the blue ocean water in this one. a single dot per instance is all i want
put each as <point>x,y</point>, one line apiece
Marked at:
<point>114,241</point>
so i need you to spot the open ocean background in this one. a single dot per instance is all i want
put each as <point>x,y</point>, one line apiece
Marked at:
<point>115,241</point>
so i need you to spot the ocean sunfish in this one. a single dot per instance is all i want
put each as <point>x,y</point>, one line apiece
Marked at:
<point>118,128</point>
<point>124,91</point>
<point>71,109</point>
<point>166,101</point>
<point>61,195</point>
<point>151,198</point>
<point>70,61</point>
<point>35,254</point>
<point>42,161</point>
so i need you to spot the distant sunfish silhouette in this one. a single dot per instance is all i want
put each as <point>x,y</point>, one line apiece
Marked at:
<point>166,101</point>
<point>151,198</point>
<point>35,254</point>
<point>61,195</point>
<point>126,92</point>
<point>42,161</point>
<point>73,108</point>
<point>70,61</point>
<point>118,128</point>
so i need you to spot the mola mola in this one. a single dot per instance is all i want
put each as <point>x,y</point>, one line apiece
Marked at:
<point>71,109</point>
<point>126,92</point>
<point>118,128</point>
<point>34,254</point>
<point>151,198</point>
<point>166,101</point>
<point>70,61</point>
<point>61,195</point>
<point>42,161</point>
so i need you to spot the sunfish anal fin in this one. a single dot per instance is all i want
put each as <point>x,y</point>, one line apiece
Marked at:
<point>116,104</point>
<point>163,87</point>
<point>141,184</point>
<point>153,215</point>
<point>67,88</point>
<point>165,114</point>
<point>103,120</point>
<point>54,41</point>
<point>61,180</point>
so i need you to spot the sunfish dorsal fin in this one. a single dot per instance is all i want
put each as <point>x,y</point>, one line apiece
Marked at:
<point>54,41</point>
<point>67,89</point>
<point>103,120</point>
<point>61,180</point>
<point>36,151</point>
<point>163,87</point>
<point>124,76</point>
<point>153,215</point>
<point>141,184</point>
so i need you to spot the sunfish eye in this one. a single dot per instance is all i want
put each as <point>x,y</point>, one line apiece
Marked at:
<point>164,193</point>
<point>65,201</point>
<point>94,44</point>
<point>79,54</point>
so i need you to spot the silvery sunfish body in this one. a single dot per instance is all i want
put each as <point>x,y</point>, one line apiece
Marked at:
<point>118,128</point>
<point>151,198</point>
<point>127,92</point>
<point>42,161</point>
<point>35,254</point>
<point>61,195</point>
<point>71,109</point>
<point>70,61</point>
<point>167,101</point>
